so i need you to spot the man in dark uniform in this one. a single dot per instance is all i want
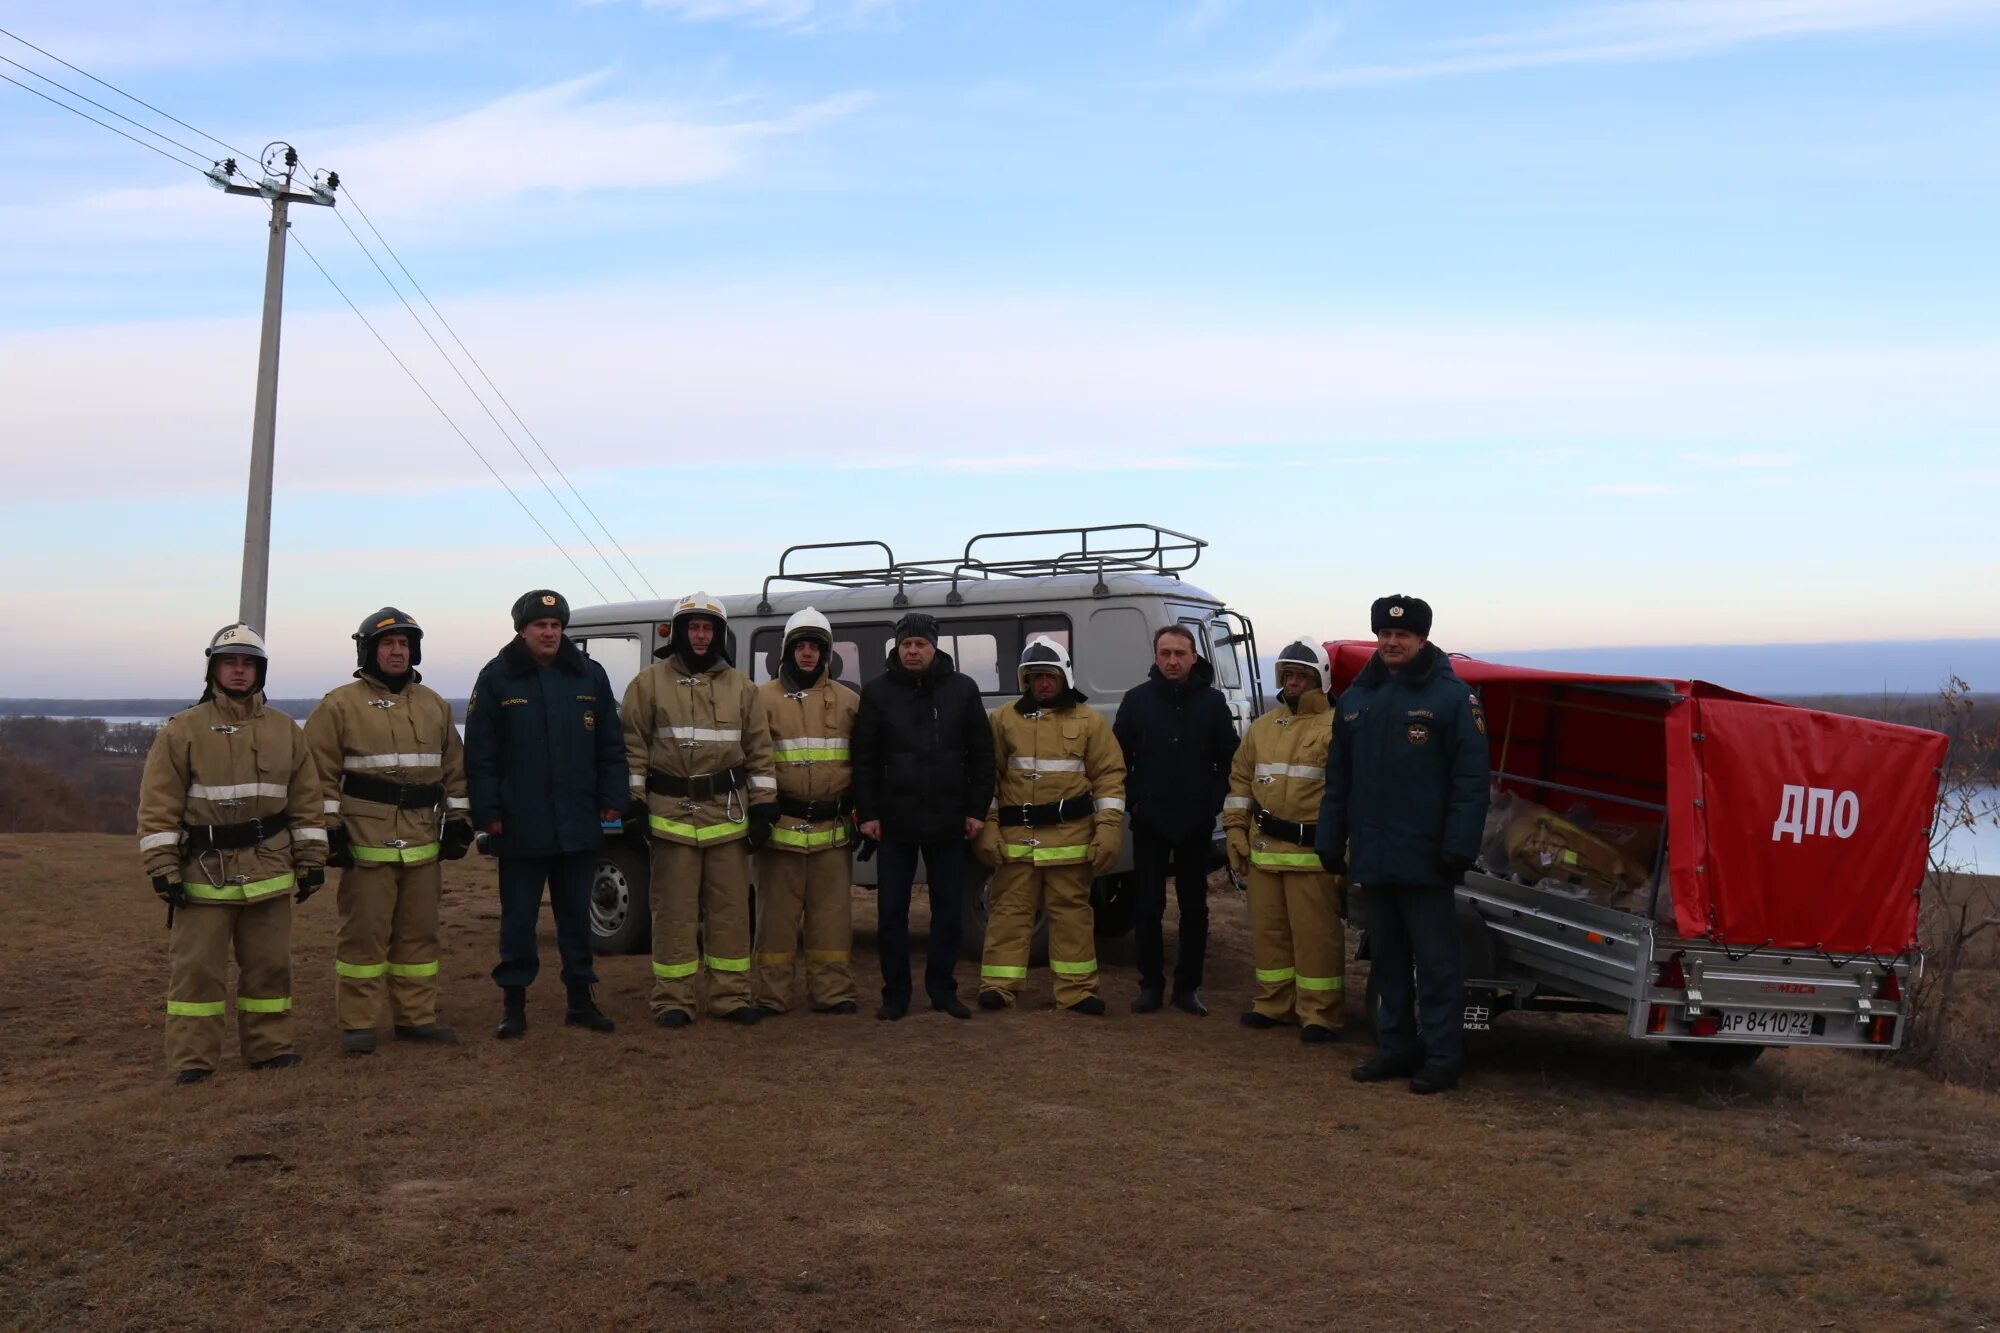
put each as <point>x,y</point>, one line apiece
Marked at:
<point>545,768</point>
<point>1405,804</point>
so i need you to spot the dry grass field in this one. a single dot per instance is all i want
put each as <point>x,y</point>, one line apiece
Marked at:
<point>1023,1171</point>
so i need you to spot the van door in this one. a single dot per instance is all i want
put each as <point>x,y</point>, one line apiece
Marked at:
<point>1235,662</point>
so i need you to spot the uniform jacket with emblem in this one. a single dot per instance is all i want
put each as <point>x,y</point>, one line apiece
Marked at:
<point>1281,768</point>
<point>1406,777</point>
<point>812,732</point>
<point>687,724</point>
<point>228,761</point>
<point>1052,752</point>
<point>542,751</point>
<point>404,736</point>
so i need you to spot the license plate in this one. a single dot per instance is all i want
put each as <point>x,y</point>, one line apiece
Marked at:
<point>1765,1023</point>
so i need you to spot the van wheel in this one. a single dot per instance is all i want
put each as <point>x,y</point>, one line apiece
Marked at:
<point>1718,1054</point>
<point>978,903</point>
<point>621,917</point>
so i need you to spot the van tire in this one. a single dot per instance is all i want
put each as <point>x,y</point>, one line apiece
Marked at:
<point>1112,906</point>
<point>621,916</point>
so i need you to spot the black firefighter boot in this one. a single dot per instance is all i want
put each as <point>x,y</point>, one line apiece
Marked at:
<point>514,1016</point>
<point>584,1013</point>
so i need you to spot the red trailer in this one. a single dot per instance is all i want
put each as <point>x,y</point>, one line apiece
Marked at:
<point>1726,871</point>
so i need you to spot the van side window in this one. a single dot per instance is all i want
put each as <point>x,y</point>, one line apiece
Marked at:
<point>618,654</point>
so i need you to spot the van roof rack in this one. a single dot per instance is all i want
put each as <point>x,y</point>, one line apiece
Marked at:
<point>1132,548</point>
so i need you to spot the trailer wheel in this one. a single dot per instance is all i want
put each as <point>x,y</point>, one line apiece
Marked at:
<point>978,905</point>
<point>621,917</point>
<point>1718,1054</point>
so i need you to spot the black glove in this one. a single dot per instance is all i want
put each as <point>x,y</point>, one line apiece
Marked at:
<point>1455,865</point>
<point>337,845</point>
<point>1333,863</point>
<point>172,892</point>
<point>456,839</point>
<point>310,882</point>
<point>763,818</point>
<point>637,813</point>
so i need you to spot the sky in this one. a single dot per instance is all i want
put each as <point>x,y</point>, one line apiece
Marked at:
<point>1595,322</point>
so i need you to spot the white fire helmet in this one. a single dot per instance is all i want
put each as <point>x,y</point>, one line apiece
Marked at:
<point>239,639</point>
<point>700,604</point>
<point>808,622</point>
<point>1308,654</point>
<point>1045,654</point>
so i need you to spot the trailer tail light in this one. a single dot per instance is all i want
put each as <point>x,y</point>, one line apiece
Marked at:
<point>1889,988</point>
<point>1704,1024</point>
<point>1671,975</point>
<point>1881,1031</point>
<point>1656,1019</point>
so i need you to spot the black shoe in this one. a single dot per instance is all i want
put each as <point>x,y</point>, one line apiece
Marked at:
<point>748,1016</point>
<point>891,1011</point>
<point>1382,1068</point>
<point>1089,1004</point>
<point>285,1061</point>
<point>357,1041</point>
<point>1262,1022</point>
<point>992,1001</point>
<point>765,1011</point>
<point>187,1076</point>
<point>1189,1002</point>
<point>584,1013</point>
<point>1149,1000</point>
<point>514,1013</point>
<point>673,1020</point>
<point>1312,1034</point>
<point>431,1034</point>
<point>1433,1078</point>
<point>951,1004</point>
<point>844,1007</point>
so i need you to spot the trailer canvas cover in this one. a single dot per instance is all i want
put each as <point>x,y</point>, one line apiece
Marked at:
<point>1787,827</point>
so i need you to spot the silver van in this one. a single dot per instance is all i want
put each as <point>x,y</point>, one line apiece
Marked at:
<point>1099,591</point>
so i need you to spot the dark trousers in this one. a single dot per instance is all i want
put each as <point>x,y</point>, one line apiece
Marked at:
<point>1419,979</point>
<point>1150,856</point>
<point>568,877</point>
<point>944,864</point>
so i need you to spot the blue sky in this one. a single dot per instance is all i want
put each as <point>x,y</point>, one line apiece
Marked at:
<point>1597,323</point>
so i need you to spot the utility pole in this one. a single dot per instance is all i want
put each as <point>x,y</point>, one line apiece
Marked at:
<point>280,164</point>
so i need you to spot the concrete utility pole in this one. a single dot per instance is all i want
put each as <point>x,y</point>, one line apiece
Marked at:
<point>280,163</point>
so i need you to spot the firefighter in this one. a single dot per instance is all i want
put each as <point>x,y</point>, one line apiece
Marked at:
<point>699,755</point>
<point>1056,823</point>
<point>1297,942</point>
<point>229,832</point>
<point>803,879</point>
<point>392,782</point>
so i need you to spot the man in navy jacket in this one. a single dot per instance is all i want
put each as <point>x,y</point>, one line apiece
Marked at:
<point>1405,804</point>
<point>545,769</point>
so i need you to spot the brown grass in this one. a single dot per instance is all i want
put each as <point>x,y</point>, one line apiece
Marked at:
<point>1030,1170</point>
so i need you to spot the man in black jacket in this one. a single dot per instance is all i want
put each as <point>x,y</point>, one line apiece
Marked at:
<point>1178,739</point>
<point>545,768</point>
<point>923,778</point>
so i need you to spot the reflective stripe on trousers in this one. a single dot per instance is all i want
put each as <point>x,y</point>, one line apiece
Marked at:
<point>394,855</point>
<point>241,893</point>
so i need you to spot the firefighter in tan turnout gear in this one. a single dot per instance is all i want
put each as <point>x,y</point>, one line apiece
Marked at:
<point>1297,943</point>
<point>699,754</point>
<point>392,788</point>
<point>1056,823</point>
<point>804,883</point>
<point>229,831</point>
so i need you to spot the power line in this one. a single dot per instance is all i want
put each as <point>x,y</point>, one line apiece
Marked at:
<point>518,453</point>
<point>540,448</point>
<point>192,152</point>
<point>300,242</point>
<point>128,96</point>
<point>191,166</point>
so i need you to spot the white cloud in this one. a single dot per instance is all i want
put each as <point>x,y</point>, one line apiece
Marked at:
<point>651,377</point>
<point>796,16</point>
<point>1639,30</point>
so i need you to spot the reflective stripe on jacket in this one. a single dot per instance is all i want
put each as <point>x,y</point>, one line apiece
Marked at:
<point>228,761</point>
<point>689,725</point>
<point>404,737</point>
<point>1281,767</point>
<point>811,739</point>
<point>1052,753</point>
